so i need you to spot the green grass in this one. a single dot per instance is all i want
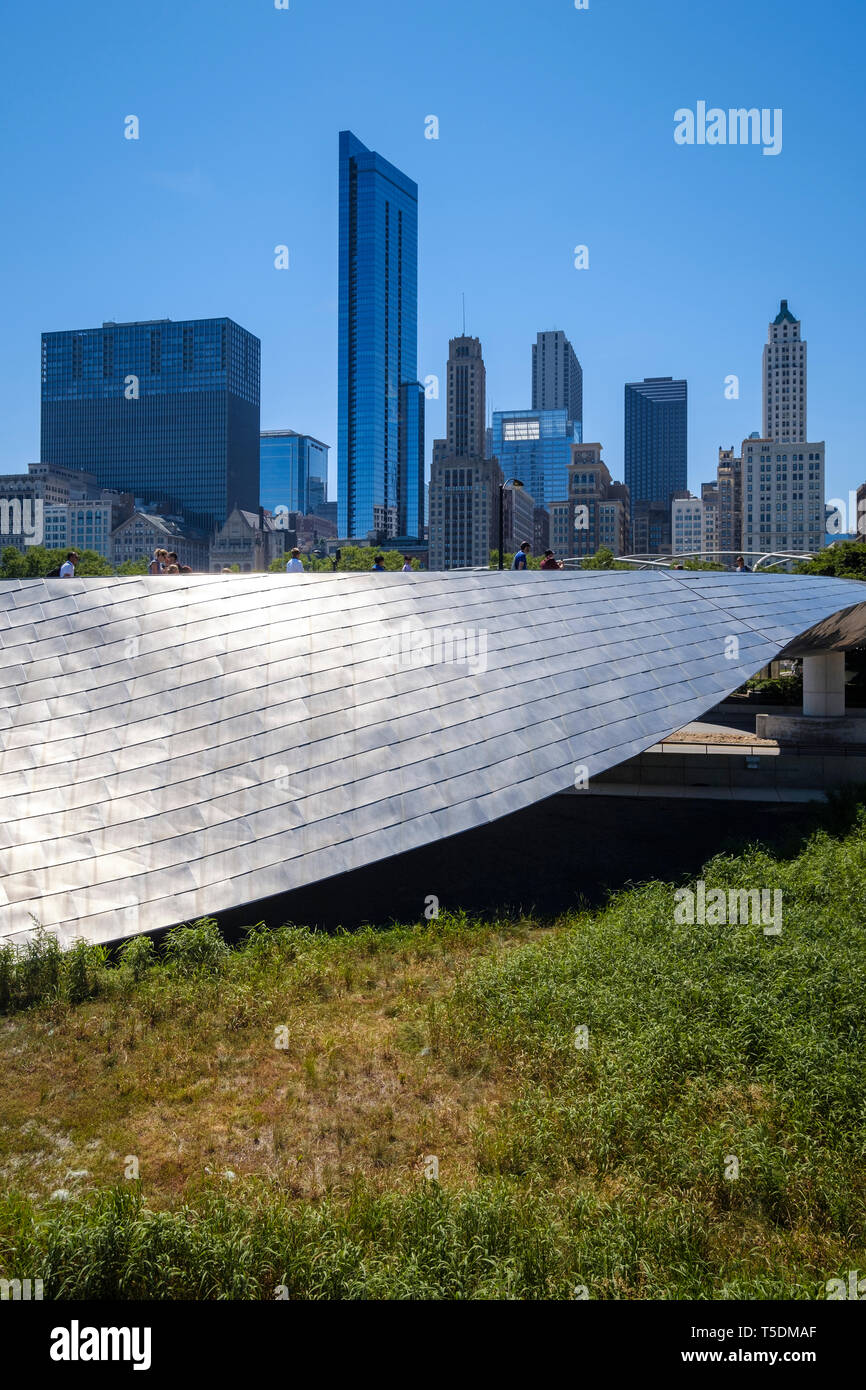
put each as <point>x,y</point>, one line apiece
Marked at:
<point>608,1167</point>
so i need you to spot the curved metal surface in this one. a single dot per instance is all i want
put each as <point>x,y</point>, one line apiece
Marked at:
<point>182,745</point>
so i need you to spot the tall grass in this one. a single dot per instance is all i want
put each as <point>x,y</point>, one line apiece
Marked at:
<point>706,1143</point>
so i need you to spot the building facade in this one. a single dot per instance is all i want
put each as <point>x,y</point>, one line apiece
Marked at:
<point>540,530</point>
<point>656,439</point>
<point>535,446</point>
<point>464,512</point>
<point>557,376</point>
<point>466,402</point>
<point>162,409</point>
<point>784,380</point>
<point>783,496</point>
<point>142,533</point>
<point>59,508</point>
<point>308,532</point>
<point>250,540</point>
<point>651,528</point>
<point>687,525</point>
<point>729,515</point>
<point>293,471</point>
<point>518,519</point>
<point>87,525</point>
<point>380,452</point>
<point>710,499</point>
<point>594,513</point>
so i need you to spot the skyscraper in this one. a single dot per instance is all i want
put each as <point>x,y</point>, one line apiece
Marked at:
<point>464,512</point>
<point>294,471</point>
<point>166,410</point>
<point>729,523</point>
<point>535,446</point>
<point>380,454</point>
<point>557,376</point>
<point>656,449</point>
<point>466,409</point>
<point>784,380</point>
<point>783,496</point>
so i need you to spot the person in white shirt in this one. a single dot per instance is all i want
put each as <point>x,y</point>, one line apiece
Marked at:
<point>295,565</point>
<point>67,569</point>
<point>407,565</point>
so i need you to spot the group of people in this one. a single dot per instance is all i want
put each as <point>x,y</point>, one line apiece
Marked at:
<point>166,562</point>
<point>521,559</point>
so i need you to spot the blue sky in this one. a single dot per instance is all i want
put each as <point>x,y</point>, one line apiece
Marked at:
<point>555,129</point>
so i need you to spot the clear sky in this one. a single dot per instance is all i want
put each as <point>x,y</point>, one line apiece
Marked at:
<point>556,128</point>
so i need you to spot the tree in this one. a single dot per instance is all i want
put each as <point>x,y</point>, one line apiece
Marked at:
<point>845,561</point>
<point>603,559</point>
<point>14,564</point>
<point>533,562</point>
<point>92,565</point>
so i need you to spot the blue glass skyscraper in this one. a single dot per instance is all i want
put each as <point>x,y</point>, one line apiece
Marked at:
<point>294,471</point>
<point>380,449</point>
<point>166,410</point>
<point>656,438</point>
<point>535,446</point>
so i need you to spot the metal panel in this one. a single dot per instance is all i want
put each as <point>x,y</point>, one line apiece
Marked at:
<point>175,748</point>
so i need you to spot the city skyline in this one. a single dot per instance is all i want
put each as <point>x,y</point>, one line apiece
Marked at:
<point>190,213</point>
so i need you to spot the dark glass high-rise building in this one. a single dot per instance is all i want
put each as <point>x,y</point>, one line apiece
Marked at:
<point>656,434</point>
<point>380,451</point>
<point>166,410</point>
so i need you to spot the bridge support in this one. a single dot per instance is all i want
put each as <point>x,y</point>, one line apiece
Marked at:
<point>823,721</point>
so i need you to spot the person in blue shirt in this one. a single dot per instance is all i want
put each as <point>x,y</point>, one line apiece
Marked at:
<point>379,563</point>
<point>520,561</point>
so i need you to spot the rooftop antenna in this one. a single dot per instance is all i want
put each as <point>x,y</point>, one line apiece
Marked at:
<point>464,313</point>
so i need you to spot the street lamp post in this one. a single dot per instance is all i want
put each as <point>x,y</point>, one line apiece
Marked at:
<point>511,482</point>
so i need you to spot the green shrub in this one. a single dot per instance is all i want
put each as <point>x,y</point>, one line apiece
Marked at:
<point>197,949</point>
<point>137,956</point>
<point>83,965</point>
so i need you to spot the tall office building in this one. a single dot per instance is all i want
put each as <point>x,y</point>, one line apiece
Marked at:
<point>656,435</point>
<point>464,512</point>
<point>535,446</point>
<point>729,516</point>
<point>557,376</point>
<point>166,410</point>
<point>465,406</point>
<point>710,499</point>
<point>784,380</point>
<point>783,496</point>
<point>294,471</point>
<point>380,454</point>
